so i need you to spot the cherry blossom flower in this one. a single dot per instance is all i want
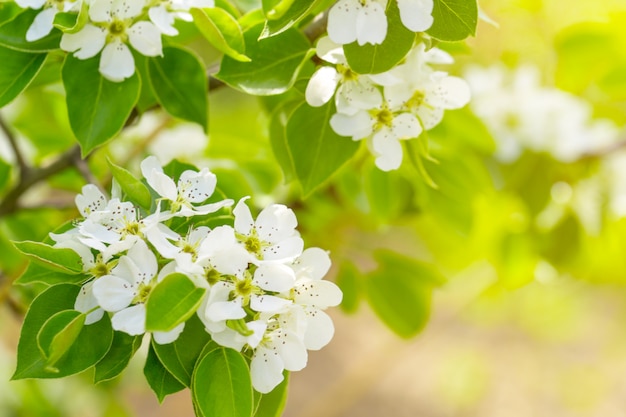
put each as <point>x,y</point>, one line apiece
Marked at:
<point>42,25</point>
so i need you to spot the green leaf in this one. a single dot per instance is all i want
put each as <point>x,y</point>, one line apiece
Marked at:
<point>13,34</point>
<point>221,385</point>
<point>180,356</point>
<point>17,71</point>
<point>90,346</point>
<point>160,380</point>
<point>135,190</point>
<point>58,334</point>
<point>71,22</point>
<point>36,273</point>
<point>273,403</point>
<point>454,20</point>
<point>275,64</point>
<point>97,108</point>
<point>117,358</point>
<point>278,140</point>
<point>400,292</point>
<point>373,59</point>
<point>179,82</point>
<point>316,150</point>
<point>349,280</point>
<point>63,259</point>
<point>172,302</point>
<point>284,14</point>
<point>222,30</point>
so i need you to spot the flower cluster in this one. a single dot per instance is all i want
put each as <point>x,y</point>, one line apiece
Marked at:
<point>387,107</point>
<point>111,26</point>
<point>264,293</point>
<point>365,21</point>
<point>521,114</point>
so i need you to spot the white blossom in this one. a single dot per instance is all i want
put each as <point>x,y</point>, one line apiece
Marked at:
<point>43,23</point>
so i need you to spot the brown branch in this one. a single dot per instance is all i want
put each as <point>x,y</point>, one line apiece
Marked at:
<point>21,161</point>
<point>34,175</point>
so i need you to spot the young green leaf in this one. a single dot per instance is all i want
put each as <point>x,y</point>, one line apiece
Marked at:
<point>221,385</point>
<point>273,403</point>
<point>61,259</point>
<point>278,140</point>
<point>13,34</point>
<point>160,380</point>
<point>72,22</point>
<point>275,62</point>
<point>284,14</point>
<point>36,273</point>
<point>91,344</point>
<point>222,31</point>
<point>179,82</point>
<point>135,190</point>
<point>373,59</point>
<point>172,302</point>
<point>455,20</point>
<point>400,292</point>
<point>117,358</point>
<point>97,108</point>
<point>317,151</point>
<point>180,356</point>
<point>16,72</point>
<point>58,334</point>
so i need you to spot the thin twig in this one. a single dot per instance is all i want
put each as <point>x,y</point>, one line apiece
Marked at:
<point>21,161</point>
<point>34,175</point>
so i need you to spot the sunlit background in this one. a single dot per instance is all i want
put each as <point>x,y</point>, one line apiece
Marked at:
<point>528,225</point>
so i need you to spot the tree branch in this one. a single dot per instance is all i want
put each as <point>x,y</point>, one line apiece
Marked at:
<point>34,175</point>
<point>21,161</point>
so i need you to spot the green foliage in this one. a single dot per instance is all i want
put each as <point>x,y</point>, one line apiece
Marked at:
<point>455,20</point>
<point>222,31</point>
<point>283,14</point>
<point>160,380</point>
<point>315,150</point>
<point>87,348</point>
<point>399,291</point>
<point>273,403</point>
<point>179,82</point>
<point>13,34</point>
<point>373,59</point>
<point>274,66</point>
<point>172,302</point>
<point>63,259</point>
<point>135,190</point>
<point>58,334</point>
<point>99,112</point>
<point>17,71</point>
<point>123,347</point>
<point>221,385</point>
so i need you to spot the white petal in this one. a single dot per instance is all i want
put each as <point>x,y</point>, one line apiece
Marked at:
<point>397,95</point>
<point>243,217</point>
<point>314,263</point>
<point>163,20</point>
<point>430,116</point>
<point>416,15</point>
<point>321,86</point>
<point>449,93</point>
<point>97,231</point>
<point>113,293</point>
<point>319,330</point>
<point>42,25</point>
<point>116,61</point>
<point>268,303</point>
<point>90,200</point>
<point>145,37</point>
<point>358,125</point>
<point>216,240</point>
<point>274,277</point>
<point>342,19</point>
<point>124,9</point>
<point>85,43</point>
<point>318,293</point>
<point>225,310</point>
<point>275,223</point>
<point>163,338</point>
<point>371,24</point>
<point>330,51</point>
<point>153,173</point>
<point>84,251</point>
<point>229,338</point>
<point>292,351</point>
<point>197,186</point>
<point>286,250</point>
<point>387,149</point>
<point>205,209</point>
<point>406,126</point>
<point>144,259</point>
<point>232,260</point>
<point>359,94</point>
<point>32,4</point>
<point>100,10</point>
<point>266,369</point>
<point>131,320</point>
<point>85,301</point>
